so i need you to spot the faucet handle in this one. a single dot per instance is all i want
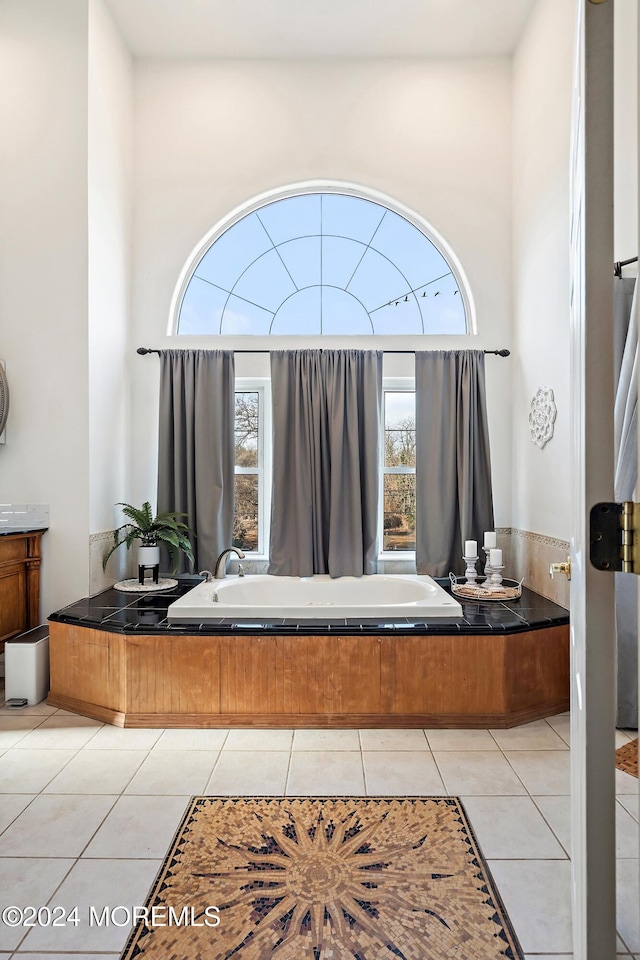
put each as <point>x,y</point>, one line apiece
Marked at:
<point>207,575</point>
<point>240,570</point>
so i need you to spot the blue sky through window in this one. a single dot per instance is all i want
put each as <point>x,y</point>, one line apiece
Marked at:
<point>322,263</point>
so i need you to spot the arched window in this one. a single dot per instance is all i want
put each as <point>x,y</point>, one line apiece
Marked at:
<point>322,262</point>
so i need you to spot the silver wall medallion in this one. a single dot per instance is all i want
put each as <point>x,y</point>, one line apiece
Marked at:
<point>542,416</point>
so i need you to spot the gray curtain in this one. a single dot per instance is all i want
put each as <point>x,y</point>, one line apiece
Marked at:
<point>196,446</point>
<point>626,474</point>
<point>326,437</point>
<point>454,500</point>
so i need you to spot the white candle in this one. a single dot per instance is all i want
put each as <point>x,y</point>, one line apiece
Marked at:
<point>490,540</point>
<point>471,548</point>
<point>495,557</point>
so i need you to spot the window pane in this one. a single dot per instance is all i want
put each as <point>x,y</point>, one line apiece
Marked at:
<point>202,306</point>
<point>299,314</point>
<point>238,246</point>
<point>245,521</point>
<point>266,282</point>
<point>399,429</point>
<point>399,512</point>
<point>340,257</point>
<point>242,317</point>
<point>302,259</point>
<point>442,307</point>
<point>291,218</point>
<point>246,427</point>
<point>344,216</point>
<point>343,314</point>
<point>377,281</point>
<point>421,261</point>
<point>279,270</point>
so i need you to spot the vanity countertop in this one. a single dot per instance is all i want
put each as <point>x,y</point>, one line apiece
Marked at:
<point>7,531</point>
<point>147,614</point>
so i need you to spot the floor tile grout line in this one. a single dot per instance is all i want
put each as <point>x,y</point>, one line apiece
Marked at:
<point>108,793</point>
<point>156,744</point>
<point>24,810</point>
<point>362,767</point>
<point>286,776</point>
<point>37,793</point>
<point>74,863</point>
<point>618,800</point>
<point>213,769</point>
<point>441,775</point>
<point>71,726</point>
<point>626,946</point>
<point>529,794</point>
<point>181,793</point>
<point>26,732</point>
<point>101,824</point>
<point>541,812</point>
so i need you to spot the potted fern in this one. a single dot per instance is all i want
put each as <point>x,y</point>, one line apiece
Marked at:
<point>166,528</point>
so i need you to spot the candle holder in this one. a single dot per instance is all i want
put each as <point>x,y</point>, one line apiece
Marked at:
<point>495,583</point>
<point>488,569</point>
<point>471,574</point>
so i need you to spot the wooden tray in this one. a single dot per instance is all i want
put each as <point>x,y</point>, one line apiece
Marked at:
<point>509,589</point>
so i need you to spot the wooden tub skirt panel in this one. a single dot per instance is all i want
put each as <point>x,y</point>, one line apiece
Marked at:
<point>428,680</point>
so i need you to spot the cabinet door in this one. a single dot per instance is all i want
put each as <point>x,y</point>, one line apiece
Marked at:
<point>13,601</point>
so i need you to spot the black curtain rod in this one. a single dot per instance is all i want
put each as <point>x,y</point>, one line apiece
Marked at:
<point>144,350</point>
<point>619,264</point>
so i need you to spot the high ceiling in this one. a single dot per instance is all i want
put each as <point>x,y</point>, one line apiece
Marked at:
<point>274,29</point>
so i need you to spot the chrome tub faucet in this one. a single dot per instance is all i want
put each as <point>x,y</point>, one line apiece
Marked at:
<point>221,562</point>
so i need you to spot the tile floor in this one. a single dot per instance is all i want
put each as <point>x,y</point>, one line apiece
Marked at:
<point>87,812</point>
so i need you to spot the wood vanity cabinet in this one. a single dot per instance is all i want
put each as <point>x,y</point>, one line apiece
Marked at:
<point>19,582</point>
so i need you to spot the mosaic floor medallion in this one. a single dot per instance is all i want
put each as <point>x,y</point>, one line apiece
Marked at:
<point>627,757</point>
<point>324,879</point>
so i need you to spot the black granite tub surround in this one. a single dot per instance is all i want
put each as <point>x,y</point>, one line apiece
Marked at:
<point>118,612</point>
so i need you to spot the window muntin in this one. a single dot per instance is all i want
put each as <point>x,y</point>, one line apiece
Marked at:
<point>323,264</point>
<point>398,499</point>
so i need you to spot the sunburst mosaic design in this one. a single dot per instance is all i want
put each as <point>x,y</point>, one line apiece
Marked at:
<point>327,879</point>
<point>627,758</point>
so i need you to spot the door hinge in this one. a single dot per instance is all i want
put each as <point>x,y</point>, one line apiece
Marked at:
<point>614,535</point>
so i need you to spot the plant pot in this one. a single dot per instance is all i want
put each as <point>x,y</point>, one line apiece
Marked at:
<point>148,556</point>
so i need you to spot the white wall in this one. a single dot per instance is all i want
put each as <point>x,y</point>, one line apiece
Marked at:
<point>435,136</point>
<point>542,87</point>
<point>110,135</point>
<point>43,278</point>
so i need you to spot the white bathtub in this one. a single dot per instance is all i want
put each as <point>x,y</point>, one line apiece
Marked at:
<point>318,597</point>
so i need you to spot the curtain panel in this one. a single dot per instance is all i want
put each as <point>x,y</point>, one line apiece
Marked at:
<point>326,461</point>
<point>454,499</point>
<point>196,446</point>
<point>625,327</point>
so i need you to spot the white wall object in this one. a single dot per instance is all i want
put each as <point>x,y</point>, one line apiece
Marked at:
<point>542,90</point>
<point>43,278</point>
<point>4,401</point>
<point>542,416</point>
<point>212,135</point>
<point>110,187</point>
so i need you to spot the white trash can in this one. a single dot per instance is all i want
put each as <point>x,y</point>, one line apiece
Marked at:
<point>26,666</point>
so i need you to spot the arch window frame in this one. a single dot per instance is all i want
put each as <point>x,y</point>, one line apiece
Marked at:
<point>321,187</point>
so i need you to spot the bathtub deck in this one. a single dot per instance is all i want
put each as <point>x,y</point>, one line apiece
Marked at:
<point>119,660</point>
